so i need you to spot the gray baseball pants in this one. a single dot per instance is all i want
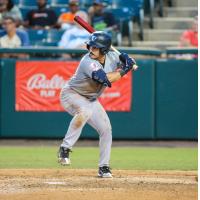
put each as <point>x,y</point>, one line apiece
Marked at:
<point>94,114</point>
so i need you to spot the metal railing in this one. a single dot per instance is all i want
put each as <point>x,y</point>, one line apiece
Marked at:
<point>129,50</point>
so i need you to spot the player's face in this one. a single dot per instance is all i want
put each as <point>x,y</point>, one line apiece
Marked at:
<point>94,52</point>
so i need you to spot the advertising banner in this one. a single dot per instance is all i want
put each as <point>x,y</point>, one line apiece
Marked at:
<point>38,85</point>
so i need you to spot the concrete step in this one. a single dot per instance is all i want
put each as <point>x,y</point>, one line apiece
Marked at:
<point>180,11</point>
<point>169,23</point>
<point>159,35</point>
<point>152,44</point>
<point>185,3</point>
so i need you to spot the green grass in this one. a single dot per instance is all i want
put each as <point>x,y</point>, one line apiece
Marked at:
<point>87,157</point>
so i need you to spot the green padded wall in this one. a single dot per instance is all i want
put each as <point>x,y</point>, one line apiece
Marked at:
<point>139,123</point>
<point>164,106</point>
<point>25,124</point>
<point>176,99</point>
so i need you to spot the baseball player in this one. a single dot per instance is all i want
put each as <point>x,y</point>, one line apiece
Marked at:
<point>98,69</point>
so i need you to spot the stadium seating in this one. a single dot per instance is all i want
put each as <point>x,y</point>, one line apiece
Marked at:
<point>29,3</point>
<point>126,12</point>
<point>59,3</point>
<point>24,11</point>
<point>53,37</point>
<point>16,2</point>
<point>37,36</point>
<point>58,9</point>
<point>41,37</point>
<point>160,5</point>
<point>124,17</point>
<point>85,4</point>
<point>131,11</point>
<point>149,6</point>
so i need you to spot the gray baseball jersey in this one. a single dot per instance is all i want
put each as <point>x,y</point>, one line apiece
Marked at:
<point>82,81</point>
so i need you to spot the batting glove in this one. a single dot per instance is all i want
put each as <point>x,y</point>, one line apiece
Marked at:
<point>126,60</point>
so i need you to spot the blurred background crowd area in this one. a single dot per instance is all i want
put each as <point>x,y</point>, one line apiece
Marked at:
<point>133,23</point>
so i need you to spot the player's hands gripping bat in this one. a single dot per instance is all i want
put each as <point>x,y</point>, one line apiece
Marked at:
<point>90,29</point>
<point>127,62</point>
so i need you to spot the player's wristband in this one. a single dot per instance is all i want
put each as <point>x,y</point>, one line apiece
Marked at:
<point>122,72</point>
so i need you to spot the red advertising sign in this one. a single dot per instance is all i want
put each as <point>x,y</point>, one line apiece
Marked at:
<point>38,85</point>
<point>118,97</point>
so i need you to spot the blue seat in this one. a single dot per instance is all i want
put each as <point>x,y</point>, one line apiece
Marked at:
<point>43,37</point>
<point>134,6</point>
<point>124,17</point>
<point>24,11</point>
<point>132,9</point>
<point>37,35</point>
<point>85,4</point>
<point>16,2</point>
<point>29,3</point>
<point>54,36</point>
<point>59,2</point>
<point>121,13</point>
<point>59,10</point>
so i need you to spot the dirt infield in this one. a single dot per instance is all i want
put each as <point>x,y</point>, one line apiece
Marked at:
<point>64,184</point>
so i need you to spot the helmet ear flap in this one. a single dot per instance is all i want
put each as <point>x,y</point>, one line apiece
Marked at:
<point>104,50</point>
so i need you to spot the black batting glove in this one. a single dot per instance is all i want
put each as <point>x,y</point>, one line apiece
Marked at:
<point>125,69</point>
<point>127,63</point>
<point>100,77</point>
<point>126,60</point>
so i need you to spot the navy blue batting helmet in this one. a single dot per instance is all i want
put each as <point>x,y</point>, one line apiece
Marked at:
<point>101,40</point>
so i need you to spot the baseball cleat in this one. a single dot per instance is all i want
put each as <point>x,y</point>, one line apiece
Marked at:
<point>63,156</point>
<point>104,172</point>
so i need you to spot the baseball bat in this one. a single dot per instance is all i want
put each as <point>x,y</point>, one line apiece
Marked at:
<point>90,29</point>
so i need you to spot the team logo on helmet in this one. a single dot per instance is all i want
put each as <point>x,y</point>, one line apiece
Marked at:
<point>94,38</point>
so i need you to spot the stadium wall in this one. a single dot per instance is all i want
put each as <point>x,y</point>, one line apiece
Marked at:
<point>164,106</point>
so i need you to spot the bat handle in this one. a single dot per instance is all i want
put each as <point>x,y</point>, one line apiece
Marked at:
<point>115,50</point>
<point>135,67</point>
